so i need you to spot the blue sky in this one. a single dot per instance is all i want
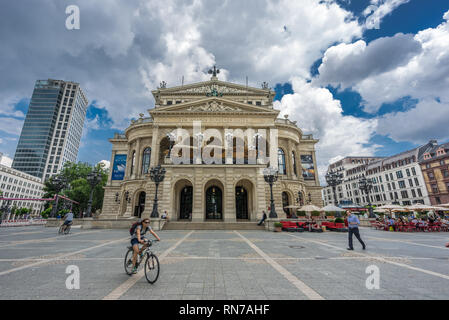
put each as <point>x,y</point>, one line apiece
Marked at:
<point>329,73</point>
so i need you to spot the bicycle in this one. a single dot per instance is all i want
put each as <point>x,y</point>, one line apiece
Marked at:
<point>66,230</point>
<point>151,265</point>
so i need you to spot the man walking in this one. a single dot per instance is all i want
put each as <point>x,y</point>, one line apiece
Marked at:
<point>353,228</point>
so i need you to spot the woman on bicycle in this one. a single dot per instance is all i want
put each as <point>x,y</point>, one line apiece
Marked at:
<point>138,237</point>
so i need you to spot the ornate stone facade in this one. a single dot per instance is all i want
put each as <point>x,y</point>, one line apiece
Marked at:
<point>196,191</point>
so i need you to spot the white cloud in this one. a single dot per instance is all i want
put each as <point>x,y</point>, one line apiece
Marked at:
<point>420,74</point>
<point>6,161</point>
<point>123,50</point>
<point>11,125</point>
<point>378,9</point>
<point>428,120</point>
<point>106,163</point>
<point>346,64</point>
<point>317,112</point>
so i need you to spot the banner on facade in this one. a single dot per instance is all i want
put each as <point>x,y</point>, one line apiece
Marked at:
<point>119,166</point>
<point>308,169</point>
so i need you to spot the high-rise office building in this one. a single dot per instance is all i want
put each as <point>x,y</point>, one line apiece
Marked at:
<point>52,130</point>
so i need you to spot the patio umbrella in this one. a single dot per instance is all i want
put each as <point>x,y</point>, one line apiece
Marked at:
<point>293,215</point>
<point>420,207</point>
<point>391,207</point>
<point>332,208</point>
<point>308,209</point>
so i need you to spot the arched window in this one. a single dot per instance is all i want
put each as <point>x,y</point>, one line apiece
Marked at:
<point>294,162</point>
<point>146,160</point>
<point>285,202</point>
<point>281,161</point>
<point>133,162</point>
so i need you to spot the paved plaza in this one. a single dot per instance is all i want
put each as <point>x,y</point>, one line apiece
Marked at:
<point>209,265</point>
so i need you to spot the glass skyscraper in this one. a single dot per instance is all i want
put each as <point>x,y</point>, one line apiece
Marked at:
<point>52,129</point>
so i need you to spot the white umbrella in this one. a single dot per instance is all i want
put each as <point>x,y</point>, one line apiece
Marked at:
<point>309,208</point>
<point>390,207</point>
<point>444,205</point>
<point>420,207</point>
<point>332,208</point>
<point>440,209</point>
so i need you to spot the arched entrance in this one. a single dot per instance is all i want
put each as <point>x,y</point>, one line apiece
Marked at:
<point>185,203</point>
<point>140,205</point>
<point>214,200</point>
<point>244,200</point>
<point>241,203</point>
<point>183,199</point>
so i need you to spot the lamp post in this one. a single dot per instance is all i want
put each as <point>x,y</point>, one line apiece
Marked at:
<point>333,179</point>
<point>59,183</point>
<point>271,175</point>
<point>157,175</point>
<point>93,178</point>
<point>366,185</point>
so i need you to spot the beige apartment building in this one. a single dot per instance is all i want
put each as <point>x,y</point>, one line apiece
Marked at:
<point>187,120</point>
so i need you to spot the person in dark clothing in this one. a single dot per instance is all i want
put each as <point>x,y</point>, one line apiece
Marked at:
<point>353,229</point>
<point>264,217</point>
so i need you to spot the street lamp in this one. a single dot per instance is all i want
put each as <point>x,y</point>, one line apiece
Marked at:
<point>58,183</point>
<point>157,175</point>
<point>93,178</point>
<point>333,179</point>
<point>271,175</point>
<point>366,185</point>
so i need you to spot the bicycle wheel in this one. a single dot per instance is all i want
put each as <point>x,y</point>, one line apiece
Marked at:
<point>60,229</point>
<point>67,230</point>
<point>151,268</point>
<point>129,262</point>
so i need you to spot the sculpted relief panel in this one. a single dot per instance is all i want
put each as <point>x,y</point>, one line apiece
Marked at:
<point>211,88</point>
<point>213,106</point>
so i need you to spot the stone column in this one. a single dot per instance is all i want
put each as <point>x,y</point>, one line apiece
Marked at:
<point>154,149</point>
<point>289,159</point>
<point>229,214</point>
<point>198,206</point>
<point>137,166</point>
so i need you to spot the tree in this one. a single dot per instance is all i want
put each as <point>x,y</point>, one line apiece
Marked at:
<point>78,189</point>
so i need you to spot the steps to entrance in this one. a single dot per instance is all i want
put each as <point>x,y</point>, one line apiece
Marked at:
<point>179,225</point>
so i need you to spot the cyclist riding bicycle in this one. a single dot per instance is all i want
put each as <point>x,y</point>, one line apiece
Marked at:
<point>68,220</point>
<point>138,237</point>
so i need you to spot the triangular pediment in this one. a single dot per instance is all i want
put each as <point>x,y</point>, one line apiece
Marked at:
<point>212,87</point>
<point>215,105</point>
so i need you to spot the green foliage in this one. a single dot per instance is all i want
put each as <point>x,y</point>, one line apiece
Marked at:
<point>339,220</point>
<point>301,214</point>
<point>79,189</point>
<point>315,213</point>
<point>63,212</point>
<point>278,225</point>
<point>22,211</point>
<point>46,213</point>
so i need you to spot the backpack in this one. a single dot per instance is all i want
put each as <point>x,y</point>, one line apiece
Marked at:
<point>133,227</point>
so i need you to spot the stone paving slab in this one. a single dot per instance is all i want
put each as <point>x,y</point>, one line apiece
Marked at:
<point>221,265</point>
